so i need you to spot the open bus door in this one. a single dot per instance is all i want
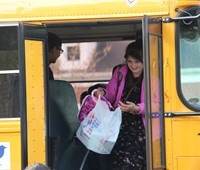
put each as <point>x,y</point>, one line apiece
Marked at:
<point>33,93</point>
<point>49,108</point>
<point>152,47</point>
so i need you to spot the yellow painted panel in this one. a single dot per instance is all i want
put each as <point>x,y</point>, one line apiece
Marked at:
<point>186,136</point>
<point>11,138</point>
<point>68,9</point>
<point>10,125</point>
<point>35,10</point>
<point>188,163</point>
<point>168,143</point>
<point>168,57</point>
<point>171,98</point>
<point>181,141</point>
<point>35,101</point>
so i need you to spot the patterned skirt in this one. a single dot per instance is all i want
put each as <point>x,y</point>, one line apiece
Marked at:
<point>129,152</point>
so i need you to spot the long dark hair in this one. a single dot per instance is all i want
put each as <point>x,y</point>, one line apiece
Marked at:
<point>135,51</point>
<point>131,81</point>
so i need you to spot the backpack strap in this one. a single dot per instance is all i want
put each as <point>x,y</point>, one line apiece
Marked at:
<point>119,77</point>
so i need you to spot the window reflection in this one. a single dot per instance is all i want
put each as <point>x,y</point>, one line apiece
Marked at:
<point>190,58</point>
<point>9,73</point>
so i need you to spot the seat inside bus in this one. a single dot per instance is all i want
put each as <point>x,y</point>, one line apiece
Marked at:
<point>65,150</point>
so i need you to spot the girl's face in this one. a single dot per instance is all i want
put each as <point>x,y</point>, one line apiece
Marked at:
<point>135,65</point>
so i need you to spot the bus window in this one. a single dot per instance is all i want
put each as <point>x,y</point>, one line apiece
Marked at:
<point>9,73</point>
<point>87,63</point>
<point>189,43</point>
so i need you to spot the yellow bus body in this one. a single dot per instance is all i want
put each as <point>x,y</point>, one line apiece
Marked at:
<point>181,153</point>
<point>10,133</point>
<point>87,9</point>
<point>34,67</point>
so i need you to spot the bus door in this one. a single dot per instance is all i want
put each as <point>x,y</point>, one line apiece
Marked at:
<point>152,48</point>
<point>49,112</point>
<point>33,89</point>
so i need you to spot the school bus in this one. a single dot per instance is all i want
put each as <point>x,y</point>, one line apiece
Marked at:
<point>38,116</point>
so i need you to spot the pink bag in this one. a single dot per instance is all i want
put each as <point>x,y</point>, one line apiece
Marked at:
<point>89,102</point>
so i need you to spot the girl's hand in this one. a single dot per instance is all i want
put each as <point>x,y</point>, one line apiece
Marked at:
<point>125,107</point>
<point>99,92</point>
<point>129,107</point>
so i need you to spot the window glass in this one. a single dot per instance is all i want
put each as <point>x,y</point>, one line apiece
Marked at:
<point>189,57</point>
<point>8,48</point>
<point>9,73</point>
<point>88,63</point>
<point>94,58</point>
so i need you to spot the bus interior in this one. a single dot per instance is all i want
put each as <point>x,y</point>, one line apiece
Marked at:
<point>91,50</point>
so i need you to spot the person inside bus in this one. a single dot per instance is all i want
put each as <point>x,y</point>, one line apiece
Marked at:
<point>37,166</point>
<point>129,151</point>
<point>54,50</point>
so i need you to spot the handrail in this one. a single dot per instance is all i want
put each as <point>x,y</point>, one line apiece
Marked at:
<point>170,19</point>
<point>170,114</point>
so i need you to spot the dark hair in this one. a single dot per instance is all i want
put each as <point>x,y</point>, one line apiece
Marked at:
<point>89,91</point>
<point>117,66</point>
<point>135,50</point>
<point>53,41</point>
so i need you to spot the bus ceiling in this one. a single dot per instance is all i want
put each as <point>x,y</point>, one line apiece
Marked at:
<point>99,31</point>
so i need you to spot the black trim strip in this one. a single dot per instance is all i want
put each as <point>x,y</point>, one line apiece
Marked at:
<point>22,92</point>
<point>149,152</point>
<point>88,81</point>
<point>92,23</point>
<point>170,114</point>
<point>162,122</point>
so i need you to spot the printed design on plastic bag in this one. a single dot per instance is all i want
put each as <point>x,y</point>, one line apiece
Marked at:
<point>89,102</point>
<point>91,124</point>
<point>87,106</point>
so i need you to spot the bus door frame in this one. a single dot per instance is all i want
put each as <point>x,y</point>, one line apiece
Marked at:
<point>37,36</point>
<point>148,31</point>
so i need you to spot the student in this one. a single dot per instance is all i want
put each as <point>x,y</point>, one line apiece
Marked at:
<point>37,166</point>
<point>129,151</point>
<point>54,50</point>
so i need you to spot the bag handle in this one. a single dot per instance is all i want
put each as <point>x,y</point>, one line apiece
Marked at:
<point>93,92</point>
<point>103,98</point>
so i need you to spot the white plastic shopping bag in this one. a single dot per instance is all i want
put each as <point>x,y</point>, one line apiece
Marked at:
<point>89,102</point>
<point>100,129</point>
